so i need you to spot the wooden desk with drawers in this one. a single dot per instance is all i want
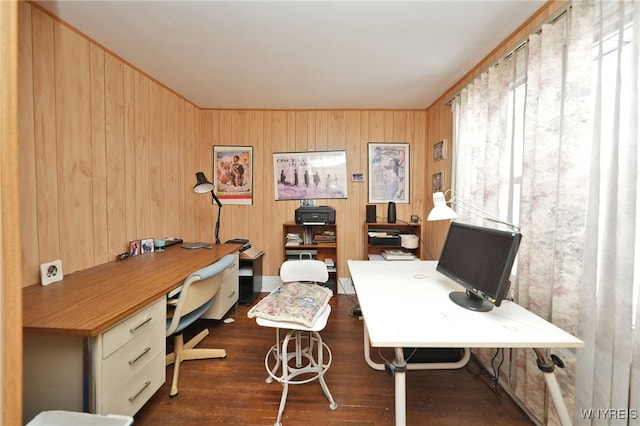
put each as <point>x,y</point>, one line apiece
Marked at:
<point>95,341</point>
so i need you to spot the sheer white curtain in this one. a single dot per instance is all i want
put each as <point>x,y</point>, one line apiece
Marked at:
<point>578,203</point>
<point>608,370</point>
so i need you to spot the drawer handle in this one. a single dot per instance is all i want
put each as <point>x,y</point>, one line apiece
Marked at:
<point>232,294</point>
<point>137,327</point>
<point>134,397</point>
<point>146,351</point>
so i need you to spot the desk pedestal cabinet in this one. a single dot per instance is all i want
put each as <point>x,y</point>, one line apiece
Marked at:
<point>250,279</point>
<point>115,372</point>
<point>96,341</point>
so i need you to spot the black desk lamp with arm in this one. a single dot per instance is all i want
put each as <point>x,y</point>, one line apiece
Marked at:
<point>203,186</point>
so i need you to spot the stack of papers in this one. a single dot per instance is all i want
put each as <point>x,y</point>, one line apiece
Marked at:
<point>397,254</point>
<point>293,239</point>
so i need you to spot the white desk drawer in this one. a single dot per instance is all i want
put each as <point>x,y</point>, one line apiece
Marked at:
<point>132,357</point>
<point>132,395</point>
<point>133,326</point>
<point>227,295</point>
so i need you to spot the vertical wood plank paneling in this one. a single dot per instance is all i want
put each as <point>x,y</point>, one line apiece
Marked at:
<point>353,213</point>
<point>115,154</point>
<point>267,215</point>
<point>209,135</point>
<point>301,131</point>
<point>129,138</point>
<point>27,148</point>
<point>73,136</point>
<point>99,157</point>
<point>46,161</point>
<point>10,247</point>
<point>260,194</point>
<point>157,157</point>
<point>142,201</point>
<point>170,175</point>
<point>186,168</point>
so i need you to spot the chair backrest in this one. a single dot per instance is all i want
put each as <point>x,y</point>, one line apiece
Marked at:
<point>199,288</point>
<point>304,270</point>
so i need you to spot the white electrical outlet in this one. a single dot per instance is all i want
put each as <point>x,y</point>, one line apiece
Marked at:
<point>51,272</point>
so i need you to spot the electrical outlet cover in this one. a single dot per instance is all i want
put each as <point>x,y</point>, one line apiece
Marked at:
<point>51,272</point>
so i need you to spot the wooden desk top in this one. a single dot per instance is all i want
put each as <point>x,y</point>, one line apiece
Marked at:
<point>88,302</point>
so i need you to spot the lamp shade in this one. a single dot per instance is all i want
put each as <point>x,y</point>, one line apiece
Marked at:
<point>203,185</point>
<point>440,209</point>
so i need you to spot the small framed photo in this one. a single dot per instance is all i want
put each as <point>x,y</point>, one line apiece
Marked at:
<point>439,150</point>
<point>134,248</point>
<point>146,245</point>
<point>437,181</point>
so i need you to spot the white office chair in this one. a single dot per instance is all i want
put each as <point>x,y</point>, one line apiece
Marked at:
<point>304,311</point>
<point>195,297</point>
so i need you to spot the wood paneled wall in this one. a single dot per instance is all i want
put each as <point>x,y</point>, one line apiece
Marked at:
<point>109,155</point>
<point>10,247</point>
<point>106,153</point>
<point>296,131</point>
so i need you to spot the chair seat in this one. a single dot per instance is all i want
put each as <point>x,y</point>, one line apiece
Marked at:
<point>319,325</point>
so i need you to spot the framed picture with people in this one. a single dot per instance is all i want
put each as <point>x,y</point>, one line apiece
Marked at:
<point>310,175</point>
<point>233,174</point>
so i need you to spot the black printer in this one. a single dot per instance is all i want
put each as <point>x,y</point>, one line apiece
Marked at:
<point>315,215</point>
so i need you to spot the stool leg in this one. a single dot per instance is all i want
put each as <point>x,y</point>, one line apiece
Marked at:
<point>323,384</point>
<point>285,374</point>
<point>269,378</point>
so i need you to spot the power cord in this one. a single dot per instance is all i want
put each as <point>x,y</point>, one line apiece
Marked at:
<point>354,310</point>
<point>493,379</point>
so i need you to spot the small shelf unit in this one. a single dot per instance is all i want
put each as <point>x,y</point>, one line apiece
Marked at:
<point>314,242</point>
<point>401,227</point>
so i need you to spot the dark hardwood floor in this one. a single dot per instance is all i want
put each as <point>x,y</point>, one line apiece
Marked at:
<point>233,391</point>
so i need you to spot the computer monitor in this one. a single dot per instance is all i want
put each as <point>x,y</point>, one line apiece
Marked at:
<point>480,259</point>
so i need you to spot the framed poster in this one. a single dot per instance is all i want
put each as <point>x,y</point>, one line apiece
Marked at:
<point>388,172</point>
<point>233,174</point>
<point>310,175</point>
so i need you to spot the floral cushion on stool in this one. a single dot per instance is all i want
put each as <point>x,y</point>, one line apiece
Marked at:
<point>293,302</point>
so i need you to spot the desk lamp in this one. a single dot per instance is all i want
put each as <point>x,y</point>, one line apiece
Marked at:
<point>441,211</point>
<point>202,187</point>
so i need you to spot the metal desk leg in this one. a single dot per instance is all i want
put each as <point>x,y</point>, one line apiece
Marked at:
<point>399,372</point>
<point>547,366</point>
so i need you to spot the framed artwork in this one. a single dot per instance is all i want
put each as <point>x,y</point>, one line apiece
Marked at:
<point>233,174</point>
<point>437,181</point>
<point>134,248</point>
<point>146,245</point>
<point>388,172</point>
<point>439,150</point>
<point>310,175</point>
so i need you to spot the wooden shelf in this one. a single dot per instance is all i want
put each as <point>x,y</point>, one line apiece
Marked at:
<point>401,227</point>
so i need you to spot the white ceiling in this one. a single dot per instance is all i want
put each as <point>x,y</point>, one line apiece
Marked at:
<point>300,54</point>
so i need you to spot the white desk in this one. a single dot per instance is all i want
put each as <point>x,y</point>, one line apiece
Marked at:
<point>406,304</point>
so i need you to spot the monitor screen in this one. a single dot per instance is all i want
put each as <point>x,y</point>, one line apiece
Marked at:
<point>480,259</point>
